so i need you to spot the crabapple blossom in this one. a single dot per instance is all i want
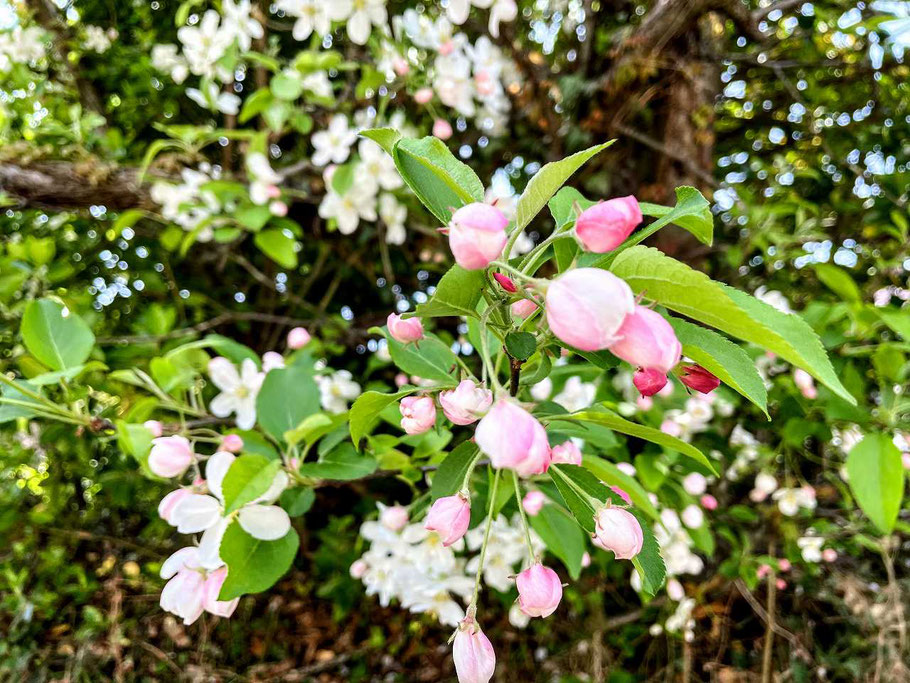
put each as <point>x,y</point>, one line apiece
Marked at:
<point>708,502</point>
<point>784,565</point>
<point>475,660</point>
<point>393,213</point>
<point>418,414</point>
<point>829,554</point>
<point>358,569</point>
<point>586,308</point>
<point>155,427</point>
<point>376,164</point>
<point>336,390</point>
<point>694,483</point>
<point>466,403</point>
<point>477,235</point>
<point>232,443</point>
<point>395,517</point>
<point>513,439</point>
<point>811,548</point>
<point>618,530</point>
<point>576,395</point>
<point>449,517</point>
<point>647,341</point>
<point>765,485</point>
<point>697,378</point>
<point>423,95</point>
<point>298,337</point>
<point>604,226</point>
<point>170,456</point>
<point>191,589</point>
<point>272,360</point>
<point>565,453</point>
<point>539,590</point>
<point>312,16</point>
<point>791,500</point>
<point>404,331</point>
<point>649,382</point>
<point>361,16</point>
<point>334,143</point>
<point>442,129</point>
<point>523,308</point>
<point>169,503</point>
<point>238,390</point>
<point>692,516</point>
<point>533,502</point>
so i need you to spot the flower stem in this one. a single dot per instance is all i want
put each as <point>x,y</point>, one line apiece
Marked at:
<point>489,368</point>
<point>524,519</point>
<point>486,538</point>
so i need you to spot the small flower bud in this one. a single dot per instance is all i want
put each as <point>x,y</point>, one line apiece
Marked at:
<point>514,439</point>
<point>358,569</point>
<point>619,531</point>
<point>709,502</point>
<point>394,517</point>
<point>278,208</point>
<point>404,331</point>
<point>449,517</point>
<point>539,591</point>
<point>474,658</point>
<point>696,377</point>
<point>298,338</point>
<point>442,129</point>
<point>649,382</point>
<point>155,427</point>
<point>586,308</point>
<point>170,456</point>
<point>523,308</point>
<point>694,483</point>
<point>604,226</point>
<point>272,360</point>
<point>505,282</point>
<point>477,235</point>
<point>418,414</point>
<point>232,443</point>
<point>647,340</point>
<point>423,96</point>
<point>465,404</point>
<point>565,453</point>
<point>533,502</point>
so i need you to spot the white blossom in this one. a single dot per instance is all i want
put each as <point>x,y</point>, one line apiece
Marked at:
<point>337,390</point>
<point>334,143</point>
<point>238,390</point>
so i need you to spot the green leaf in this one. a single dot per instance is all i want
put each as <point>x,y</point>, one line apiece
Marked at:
<point>278,247</point>
<point>622,425</point>
<point>562,536</point>
<point>547,181</point>
<point>876,477</point>
<point>692,212</point>
<point>255,104</point>
<point>298,500</point>
<point>440,181</point>
<point>342,463</point>
<point>429,358</point>
<point>611,475</point>
<point>839,281</point>
<point>521,345</point>
<point>252,216</point>
<point>457,293</point>
<point>287,396</point>
<point>727,361</point>
<point>9,412</point>
<point>384,137</point>
<point>135,440</point>
<point>286,86</point>
<point>365,411</point>
<point>454,470</point>
<point>899,321</point>
<point>248,477</point>
<point>562,206</point>
<point>696,296</point>
<point>313,428</point>
<point>55,335</point>
<point>254,565</point>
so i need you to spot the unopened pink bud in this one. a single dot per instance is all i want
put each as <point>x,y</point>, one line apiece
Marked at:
<point>512,438</point>
<point>404,331</point>
<point>784,565</point>
<point>533,502</point>
<point>805,383</point>
<point>586,308</point>
<point>619,531</point>
<point>539,591</point>
<point>418,414</point>
<point>394,517</point>
<point>604,226</point>
<point>401,379</point>
<point>358,569</point>
<point>170,456</point>
<point>477,235</point>
<point>763,570</point>
<point>277,208</point>
<point>649,382</point>
<point>523,308</point>
<point>272,360</point>
<point>449,517</point>
<point>155,427</point>
<point>232,443</point>
<point>829,554</point>
<point>169,503</point>
<point>423,96</point>
<point>298,338</point>
<point>442,129</point>
<point>566,453</point>
<point>781,584</point>
<point>709,502</point>
<point>505,282</point>
<point>622,494</point>
<point>401,66</point>
<point>465,404</point>
<point>697,378</point>
<point>647,340</point>
<point>586,559</point>
<point>475,661</point>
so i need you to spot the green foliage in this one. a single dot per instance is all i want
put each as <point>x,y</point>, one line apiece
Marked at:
<point>254,565</point>
<point>877,479</point>
<point>55,335</point>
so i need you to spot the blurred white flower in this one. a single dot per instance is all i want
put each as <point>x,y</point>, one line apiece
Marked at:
<point>334,143</point>
<point>337,390</point>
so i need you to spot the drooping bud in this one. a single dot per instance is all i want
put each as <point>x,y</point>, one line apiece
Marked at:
<point>465,404</point>
<point>418,414</point>
<point>474,658</point>
<point>565,453</point>
<point>505,282</point>
<point>449,517</point>
<point>477,235</point>
<point>539,591</point>
<point>298,338</point>
<point>514,439</point>
<point>649,382</point>
<point>170,456</point>
<point>232,443</point>
<point>604,226</point>
<point>533,502</point>
<point>404,331</point>
<point>586,308</point>
<point>618,530</point>
<point>647,340</point>
<point>696,377</point>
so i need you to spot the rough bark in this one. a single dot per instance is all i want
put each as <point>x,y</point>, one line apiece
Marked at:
<point>55,185</point>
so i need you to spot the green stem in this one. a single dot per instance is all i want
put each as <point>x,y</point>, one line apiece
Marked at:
<point>530,256</point>
<point>524,519</point>
<point>502,265</point>
<point>489,368</point>
<point>35,396</point>
<point>486,538</point>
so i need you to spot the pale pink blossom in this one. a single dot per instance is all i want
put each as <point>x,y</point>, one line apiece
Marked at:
<point>539,590</point>
<point>155,427</point>
<point>619,531</point>
<point>533,502</point>
<point>170,456</point>
<point>523,308</point>
<point>442,129</point>
<point>586,308</point>
<point>604,226</point>
<point>477,235</point>
<point>232,443</point>
<point>298,337</point>
<point>465,404</point>
<point>418,414</point>
<point>394,517</point>
<point>404,331</point>
<point>565,453</point>
<point>513,439</point>
<point>474,658</point>
<point>449,517</point>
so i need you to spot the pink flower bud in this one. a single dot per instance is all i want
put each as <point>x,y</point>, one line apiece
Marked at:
<point>781,584</point>
<point>523,308</point>
<point>622,494</point>
<point>442,129</point>
<point>232,443</point>
<point>586,559</point>
<point>449,517</point>
<point>418,414</point>
<point>358,569</point>
<point>298,338</point>
<point>474,658</point>
<point>514,439</point>
<point>647,341</point>
<point>401,66</point>
<point>696,377</point>
<point>604,226</point>
<point>155,427</point>
<point>533,502</point>
<point>649,382</point>
<point>278,208</point>
<point>905,460</point>
<point>404,331</point>
<point>394,517</point>
<point>709,502</point>
<point>539,591</point>
<point>465,404</point>
<point>272,360</point>
<point>619,531</point>
<point>829,554</point>
<point>784,565</point>
<point>423,95</point>
<point>505,282</point>
<point>762,571</point>
<point>804,382</point>
<point>169,503</point>
<point>477,235</point>
<point>401,379</point>
<point>586,308</point>
<point>170,456</point>
<point>565,453</point>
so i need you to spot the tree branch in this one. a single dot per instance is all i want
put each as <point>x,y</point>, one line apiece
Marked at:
<point>55,185</point>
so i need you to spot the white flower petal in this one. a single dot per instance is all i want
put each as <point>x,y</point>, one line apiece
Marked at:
<point>185,557</point>
<point>196,513</point>
<point>215,469</point>
<point>210,545</point>
<point>223,373</point>
<point>265,522</point>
